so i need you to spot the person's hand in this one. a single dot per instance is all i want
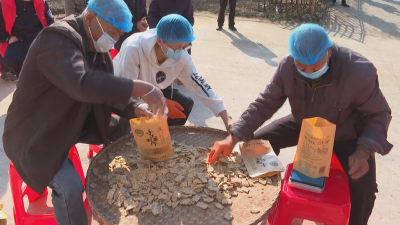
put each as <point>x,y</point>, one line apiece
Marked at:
<point>144,22</point>
<point>358,164</point>
<point>13,39</point>
<point>221,149</point>
<point>174,109</point>
<point>228,121</point>
<point>156,101</point>
<point>142,110</point>
<point>142,25</point>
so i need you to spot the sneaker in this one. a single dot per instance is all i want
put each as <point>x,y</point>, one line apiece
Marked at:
<point>345,5</point>
<point>232,28</point>
<point>218,28</point>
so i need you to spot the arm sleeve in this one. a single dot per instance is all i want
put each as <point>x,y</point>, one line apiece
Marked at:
<point>154,14</point>
<point>126,64</point>
<point>188,13</point>
<point>49,16</point>
<point>135,18</point>
<point>69,6</point>
<point>262,109</point>
<point>64,65</point>
<point>200,88</point>
<point>129,111</point>
<point>4,36</point>
<point>375,115</point>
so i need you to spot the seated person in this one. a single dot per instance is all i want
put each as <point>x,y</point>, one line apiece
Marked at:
<point>323,79</point>
<point>139,13</point>
<point>19,26</point>
<point>74,7</point>
<point>65,96</point>
<point>159,56</point>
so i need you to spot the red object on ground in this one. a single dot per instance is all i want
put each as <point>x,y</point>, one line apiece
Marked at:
<point>19,189</point>
<point>332,207</point>
<point>94,148</point>
<point>113,53</point>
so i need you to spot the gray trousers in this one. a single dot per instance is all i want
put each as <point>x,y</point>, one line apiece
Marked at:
<point>67,184</point>
<point>67,196</point>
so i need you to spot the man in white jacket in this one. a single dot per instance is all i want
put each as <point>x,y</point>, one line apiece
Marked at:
<point>159,56</point>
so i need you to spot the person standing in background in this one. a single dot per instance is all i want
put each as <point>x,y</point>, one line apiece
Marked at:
<point>139,14</point>
<point>74,7</point>
<point>20,22</point>
<point>232,12</point>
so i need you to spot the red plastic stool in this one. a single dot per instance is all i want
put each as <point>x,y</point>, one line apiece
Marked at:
<point>332,207</point>
<point>113,53</point>
<point>19,189</point>
<point>94,148</point>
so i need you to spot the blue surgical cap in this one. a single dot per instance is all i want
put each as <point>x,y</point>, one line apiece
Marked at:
<point>174,28</point>
<point>309,43</point>
<point>115,12</point>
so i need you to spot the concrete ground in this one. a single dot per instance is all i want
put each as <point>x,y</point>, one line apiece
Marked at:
<point>238,65</point>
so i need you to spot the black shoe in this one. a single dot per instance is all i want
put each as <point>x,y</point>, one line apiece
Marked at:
<point>232,28</point>
<point>345,5</point>
<point>219,28</point>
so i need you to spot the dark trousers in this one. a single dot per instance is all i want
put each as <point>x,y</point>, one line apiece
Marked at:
<point>284,132</point>
<point>221,16</point>
<point>67,196</point>
<point>185,101</point>
<point>15,55</point>
<point>67,185</point>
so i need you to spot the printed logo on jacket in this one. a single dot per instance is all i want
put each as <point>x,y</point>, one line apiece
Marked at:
<point>199,80</point>
<point>160,77</point>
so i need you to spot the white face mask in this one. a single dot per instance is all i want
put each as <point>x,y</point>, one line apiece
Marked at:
<point>105,42</point>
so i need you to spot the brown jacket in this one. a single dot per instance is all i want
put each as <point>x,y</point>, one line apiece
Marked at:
<point>348,96</point>
<point>74,7</point>
<point>64,88</point>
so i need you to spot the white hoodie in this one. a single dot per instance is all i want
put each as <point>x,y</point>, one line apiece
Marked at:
<point>137,60</point>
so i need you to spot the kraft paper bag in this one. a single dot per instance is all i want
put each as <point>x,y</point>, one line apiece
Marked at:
<point>314,150</point>
<point>152,138</point>
<point>259,158</point>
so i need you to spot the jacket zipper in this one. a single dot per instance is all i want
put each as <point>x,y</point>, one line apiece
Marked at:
<point>313,94</point>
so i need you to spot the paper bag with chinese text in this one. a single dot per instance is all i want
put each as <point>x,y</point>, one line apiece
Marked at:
<point>152,138</point>
<point>259,158</point>
<point>314,150</point>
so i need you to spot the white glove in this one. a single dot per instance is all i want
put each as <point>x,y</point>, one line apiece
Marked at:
<point>142,110</point>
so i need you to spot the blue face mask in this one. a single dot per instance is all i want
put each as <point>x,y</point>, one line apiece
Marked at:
<point>316,74</point>
<point>176,55</point>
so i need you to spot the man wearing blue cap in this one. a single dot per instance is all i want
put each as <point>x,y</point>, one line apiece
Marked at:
<point>322,79</point>
<point>65,95</point>
<point>159,56</point>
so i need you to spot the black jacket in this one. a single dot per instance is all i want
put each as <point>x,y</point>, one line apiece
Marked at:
<point>138,11</point>
<point>64,89</point>
<point>160,8</point>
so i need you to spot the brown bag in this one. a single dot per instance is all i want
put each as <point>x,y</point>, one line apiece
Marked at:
<point>152,138</point>
<point>314,150</point>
